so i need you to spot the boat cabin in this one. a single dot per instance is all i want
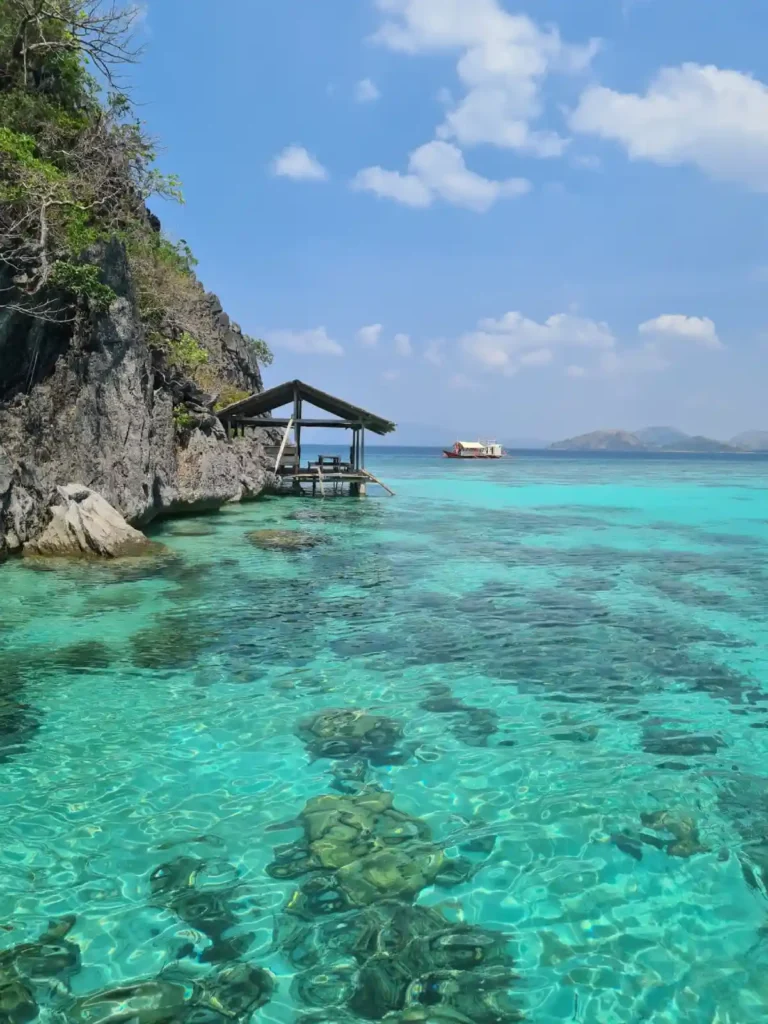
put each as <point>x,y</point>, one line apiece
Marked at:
<point>474,450</point>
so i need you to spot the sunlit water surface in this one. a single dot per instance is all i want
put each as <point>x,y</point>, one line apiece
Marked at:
<point>568,643</point>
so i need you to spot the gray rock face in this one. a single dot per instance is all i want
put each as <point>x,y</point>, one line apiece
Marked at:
<point>84,525</point>
<point>84,402</point>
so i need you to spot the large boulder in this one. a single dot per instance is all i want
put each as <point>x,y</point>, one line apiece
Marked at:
<point>83,524</point>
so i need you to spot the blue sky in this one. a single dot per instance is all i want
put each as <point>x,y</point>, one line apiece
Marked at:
<point>518,219</point>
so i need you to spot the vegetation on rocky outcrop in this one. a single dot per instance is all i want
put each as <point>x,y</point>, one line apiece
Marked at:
<point>76,170</point>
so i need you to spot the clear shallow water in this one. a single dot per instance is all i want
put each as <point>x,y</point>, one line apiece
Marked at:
<point>602,624</point>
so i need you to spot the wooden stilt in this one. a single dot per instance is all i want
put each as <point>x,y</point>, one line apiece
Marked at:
<point>377,481</point>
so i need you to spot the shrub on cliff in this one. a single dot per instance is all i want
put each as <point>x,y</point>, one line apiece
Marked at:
<point>76,169</point>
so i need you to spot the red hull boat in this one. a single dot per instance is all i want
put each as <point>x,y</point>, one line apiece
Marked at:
<point>474,450</point>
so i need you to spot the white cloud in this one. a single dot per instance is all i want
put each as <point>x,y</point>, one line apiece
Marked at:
<point>366,91</point>
<point>369,336</point>
<point>514,340</point>
<point>434,353</point>
<point>698,329</point>
<point>712,118</point>
<point>296,163</point>
<point>514,343</point>
<point>487,116</point>
<point>403,345</point>
<point>403,188</point>
<point>503,60</point>
<point>658,352</point>
<point>437,170</point>
<point>390,375</point>
<point>311,342</point>
<point>537,357</point>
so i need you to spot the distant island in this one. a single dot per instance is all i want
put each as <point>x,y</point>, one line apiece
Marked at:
<point>661,439</point>
<point>752,440</point>
<point>602,441</point>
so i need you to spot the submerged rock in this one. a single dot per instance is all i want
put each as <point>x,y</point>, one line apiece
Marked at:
<point>480,997</point>
<point>50,956</point>
<point>51,959</point>
<point>342,732</point>
<point>17,1004</point>
<point>676,743</point>
<point>394,958</point>
<point>174,885</point>
<point>330,985</point>
<point>685,840</point>
<point>84,525</point>
<point>682,827</point>
<point>349,774</point>
<point>140,1002</point>
<point>474,727</point>
<point>368,849</point>
<point>284,540</point>
<point>233,993</point>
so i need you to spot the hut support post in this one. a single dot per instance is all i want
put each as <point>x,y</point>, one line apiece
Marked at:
<point>282,446</point>
<point>297,420</point>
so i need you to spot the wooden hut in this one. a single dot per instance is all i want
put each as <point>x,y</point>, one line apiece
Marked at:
<point>325,470</point>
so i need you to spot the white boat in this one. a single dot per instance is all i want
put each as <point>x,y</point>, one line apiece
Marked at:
<point>474,450</point>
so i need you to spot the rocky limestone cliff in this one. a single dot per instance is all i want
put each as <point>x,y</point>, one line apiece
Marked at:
<point>92,402</point>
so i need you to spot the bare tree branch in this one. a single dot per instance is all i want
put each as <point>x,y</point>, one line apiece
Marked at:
<point>101,33</point>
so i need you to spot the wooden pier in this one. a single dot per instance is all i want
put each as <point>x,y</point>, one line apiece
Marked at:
<point>328,474</point>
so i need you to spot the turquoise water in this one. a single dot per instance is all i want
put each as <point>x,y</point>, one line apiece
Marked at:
<point>572,653</point>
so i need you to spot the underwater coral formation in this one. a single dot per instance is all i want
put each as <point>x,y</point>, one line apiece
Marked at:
<point>343,732</point>
<point>284,540</point>
<point>37,974</point>
<point>677,834</point>
<point>360,944</point>
<point>174,886</point>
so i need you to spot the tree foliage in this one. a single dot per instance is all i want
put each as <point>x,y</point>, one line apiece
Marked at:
<point>77,168</point>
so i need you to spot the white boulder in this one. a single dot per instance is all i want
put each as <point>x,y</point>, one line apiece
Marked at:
<point>84,524</point>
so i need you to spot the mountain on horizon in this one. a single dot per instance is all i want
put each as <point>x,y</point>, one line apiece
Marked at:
<point>698,443</point>
<point>658,436</point>
<point>601,440</point>
<point>624,441</point>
